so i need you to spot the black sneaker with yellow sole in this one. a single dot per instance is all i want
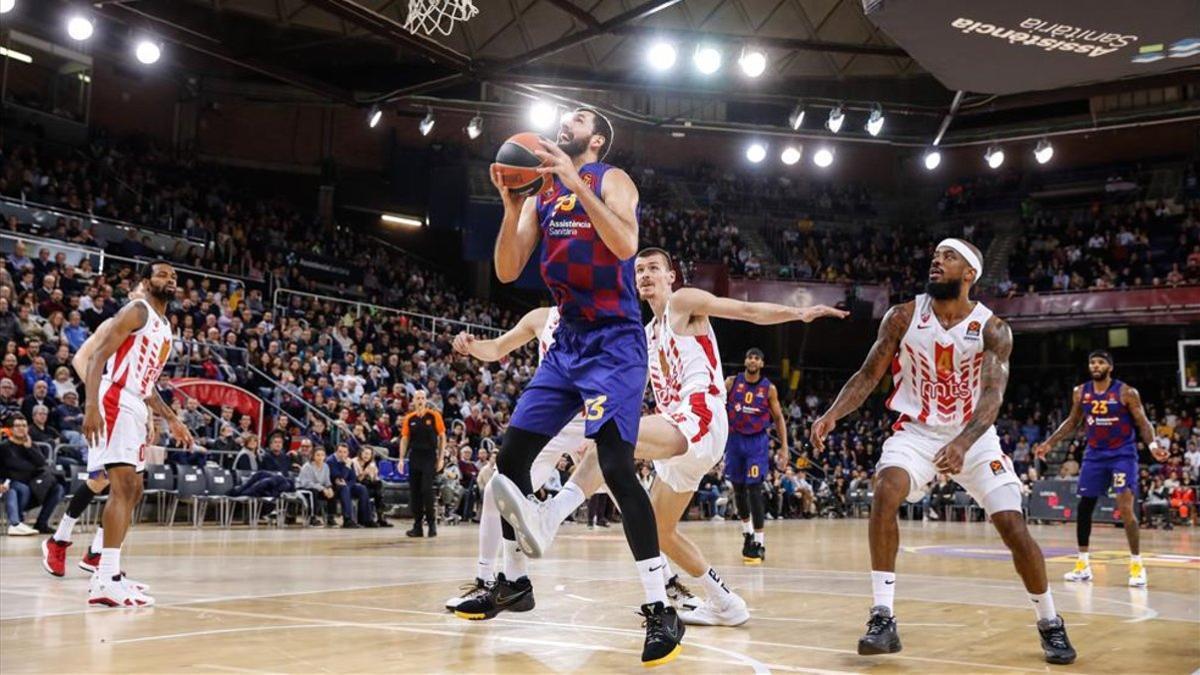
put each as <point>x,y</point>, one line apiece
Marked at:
<point>504,595</point>
<point>664,634</point>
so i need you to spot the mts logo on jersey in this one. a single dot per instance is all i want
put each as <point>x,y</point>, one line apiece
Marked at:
<point>950,385</point>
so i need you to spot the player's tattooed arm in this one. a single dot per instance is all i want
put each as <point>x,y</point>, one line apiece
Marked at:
<point>1068,427</point>
<point>997,347</point>
<point>862,383</point>
<point>1132,400</point>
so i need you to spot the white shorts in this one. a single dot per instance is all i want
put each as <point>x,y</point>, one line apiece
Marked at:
<point>704,423</point>
<point>985,466</point>
<point>124,439</point>
<point>568,442</point>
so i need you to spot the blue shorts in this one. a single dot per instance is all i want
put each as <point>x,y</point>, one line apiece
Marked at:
<point>601,370</point>
<point>747,458</point>
<point>1098,473</point>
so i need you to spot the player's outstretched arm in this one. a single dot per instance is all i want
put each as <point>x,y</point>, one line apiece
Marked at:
<point>861,383</point>
<point>997,347</point>
<point>495,349</point>
<point>697,302</point>
<point>1068,427</point>
<point>1133,401</point>
<point>518,237</point>
<point>131,318</point>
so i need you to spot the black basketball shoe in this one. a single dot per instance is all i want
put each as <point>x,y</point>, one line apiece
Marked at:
<point>1055,643</point>
<point>472,590</point>
<point>504,595</point>
<point>664,633</point>
<point>751,552</point>
<point>882,636</point>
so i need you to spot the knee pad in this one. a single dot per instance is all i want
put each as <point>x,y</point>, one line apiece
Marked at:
<point>1007,497</point>
<point>615,456</point>
<point>517,453</point>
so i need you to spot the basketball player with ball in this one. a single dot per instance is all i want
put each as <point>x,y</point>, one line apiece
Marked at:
<point>948,357</point>
<point>585,218</point>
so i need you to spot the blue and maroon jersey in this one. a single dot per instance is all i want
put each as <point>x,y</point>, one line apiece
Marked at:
<point>1109,424</point>
<point>587,281</point>
<point>749,405</point>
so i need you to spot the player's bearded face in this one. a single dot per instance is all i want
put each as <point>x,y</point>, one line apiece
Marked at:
<point>1099,369</point>
<point>753,364</point>
<point>945,279</point>
<point>573,141</point>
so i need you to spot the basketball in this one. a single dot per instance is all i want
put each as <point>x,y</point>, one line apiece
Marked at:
<point>518,164</point>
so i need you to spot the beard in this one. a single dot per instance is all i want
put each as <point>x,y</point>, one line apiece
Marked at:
<point>944,290</point>
<point>752,370</point>
<point>160,293</point>
<point>1097,377</point>
<point>574,147</point>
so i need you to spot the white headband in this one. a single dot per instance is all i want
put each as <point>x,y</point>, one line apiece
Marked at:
<point>965,251</point>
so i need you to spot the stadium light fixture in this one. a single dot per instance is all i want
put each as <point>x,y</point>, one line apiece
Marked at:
<point>147,52</point>
<point>7,6</point>
<point>427,123</point>
<point>406,221</point>
<point>542,115</point>
<point>994,156</point>
<point>16,55</point>
<point>661,56</point>
<point>753,62</point>
<point>756,153</point>
<point>796,118</point>
<point>374,116</point>
<point>790,155</point>
<point>707,59</point>
<point>823,158</point>
<point>875,121</point>
<point>80,27</point>
<point>835,121</point>
<point>475,127</point>
<point>933,158</point>
<point>1044,151</point>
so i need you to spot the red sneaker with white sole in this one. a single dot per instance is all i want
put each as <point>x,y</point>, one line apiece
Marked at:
<point>54,556</point>
<point>90,561</point>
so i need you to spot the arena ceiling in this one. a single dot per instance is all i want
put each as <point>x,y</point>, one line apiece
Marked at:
<point>820,52</point>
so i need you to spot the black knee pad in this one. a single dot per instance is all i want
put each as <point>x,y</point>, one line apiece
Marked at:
<point>742,499</point>
<point>517,453</point>
<point>80,501</point>
<point>615,456</point>
<point>1083,522</point>
<point>758,505</point>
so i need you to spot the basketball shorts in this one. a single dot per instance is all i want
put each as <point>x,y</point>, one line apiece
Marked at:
<point>1118,471</point>
<point>124,437</point>
<point>985,466</point>
<point>599,369</point>
<point>703,422</point>
<point>748,457</point>
<point>568,442</point>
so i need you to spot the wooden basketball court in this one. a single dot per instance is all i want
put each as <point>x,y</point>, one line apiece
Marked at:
<point>261,601</point>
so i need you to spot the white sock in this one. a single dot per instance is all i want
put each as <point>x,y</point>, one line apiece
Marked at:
<point>110,563</point>
<point>1136,559</point>
<point>489,536</point>
<point>883,587</point>
<point>667,572</point>
<point>97,541</point>
<point>714,586</point>
<point>515,561</point>
<point>759,537</point>
<point>1083,556</point>
<point>747,527</point>
<point>650,571</point>
<point>1044,605</point>
<point>63,533</point>
<point>568,499</point>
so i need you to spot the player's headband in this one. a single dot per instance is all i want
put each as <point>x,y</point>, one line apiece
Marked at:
<point>1101,354</point>
<point>965,251</point>
<point>755,351</point>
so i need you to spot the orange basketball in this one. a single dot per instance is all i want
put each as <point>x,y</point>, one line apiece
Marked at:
<point>518,164</point>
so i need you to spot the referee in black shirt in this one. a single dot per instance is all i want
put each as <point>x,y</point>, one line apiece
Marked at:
<point>423,432</point>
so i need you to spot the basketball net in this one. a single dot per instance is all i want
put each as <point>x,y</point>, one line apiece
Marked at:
<point>437,16</point>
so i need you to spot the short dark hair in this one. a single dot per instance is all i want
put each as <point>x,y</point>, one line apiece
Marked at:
<point>148,270</point>
<point>1102,354</point>
<point>600,127</point>
<point>654,250</point>
<point>755,351</point>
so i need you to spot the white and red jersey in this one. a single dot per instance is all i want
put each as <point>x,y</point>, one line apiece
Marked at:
<point>683,367</point>
<point>936,371</point>
<point>134,368</point>
<point>546,337</point>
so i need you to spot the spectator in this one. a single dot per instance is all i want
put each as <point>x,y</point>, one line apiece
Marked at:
<point>468,473</point>
<point>707,494</point>
<point>75,332</point>
<point>9,403</point>
<point>349,491</point>
<point>366,470</point>
<point>63,383</point>
<point>69,418</point>
<point>314,478</point>
<point>40,397</point>
<point>275,459</point>
<point>27,481</point>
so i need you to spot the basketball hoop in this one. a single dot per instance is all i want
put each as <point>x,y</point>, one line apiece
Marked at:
<point>437,16</point>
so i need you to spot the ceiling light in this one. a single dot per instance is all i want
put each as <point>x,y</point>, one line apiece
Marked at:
<point>796,118</point>
<point>756,153</point>
<point>994,156</point>
<point>823,157</point>
<point>753,62</point>
<point>407,221</point>
<point>932,159</point>
<point>1043,152</point>
<point>16,55</point>
<point>80,27</point>
<point>475,127</point>
<point>875,121</point>
<point>374,116</point>
<point>6,6</point>
<point>543,115</point>
<point>790,155</point>
<point>661,56</point>
<point>836,118</point>
<point>707,59</point>
<point>427,123</point>
<point>148,52</point>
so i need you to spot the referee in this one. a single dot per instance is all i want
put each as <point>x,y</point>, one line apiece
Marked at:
<point>424,433</point>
